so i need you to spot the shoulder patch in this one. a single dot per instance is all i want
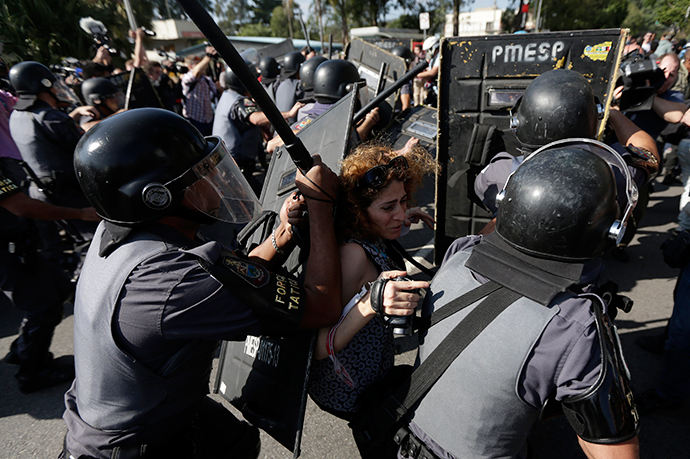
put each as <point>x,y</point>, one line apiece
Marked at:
<point>254,274</point>
<point>641,154</point>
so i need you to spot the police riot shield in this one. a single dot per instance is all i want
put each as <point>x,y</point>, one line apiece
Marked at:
<point>480,78</point>
<point>277,50</point>
<point>143,93</point>
<point>266,377</point>
<point>370,60</point>
<point>420,122</point>
<point>389,43</point>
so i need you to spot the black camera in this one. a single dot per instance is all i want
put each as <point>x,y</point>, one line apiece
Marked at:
<point>99,33</point>
<point>402,325</point>
<point>641,78</point>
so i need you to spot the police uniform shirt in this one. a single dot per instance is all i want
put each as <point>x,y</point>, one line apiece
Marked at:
<point>11,224</point>
<point>287,93</point>
<point>57,132</point>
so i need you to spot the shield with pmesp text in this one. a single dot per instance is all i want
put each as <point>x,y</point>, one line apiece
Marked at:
<point>480,78</point>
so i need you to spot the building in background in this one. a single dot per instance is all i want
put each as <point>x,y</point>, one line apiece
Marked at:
<point>481,21</point>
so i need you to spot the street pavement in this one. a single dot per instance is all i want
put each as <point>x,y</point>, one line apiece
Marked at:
<point>31,425</point>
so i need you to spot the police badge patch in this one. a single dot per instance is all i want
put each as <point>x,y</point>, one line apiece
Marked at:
<point>255,275</point>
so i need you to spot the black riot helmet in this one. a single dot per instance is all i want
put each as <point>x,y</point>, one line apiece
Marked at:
<point>97,90</point>
<point>333,79</point>
<point>558,104</point>
<point>404,52</point>
<point>561,202</point>
<point>233,82</point>
<point>307,70</point>
<point>291,63</point>
<point>143,164</point>
<point>268,68</point>
<point>31,78</point>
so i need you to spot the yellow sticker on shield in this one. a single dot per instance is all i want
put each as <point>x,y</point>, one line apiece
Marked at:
<point>598,52</point>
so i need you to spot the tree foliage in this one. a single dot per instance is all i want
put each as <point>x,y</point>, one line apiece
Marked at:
<point>437,10</point>
<point>171,9</point>
<point>30,29</point>
<point>583,14</point>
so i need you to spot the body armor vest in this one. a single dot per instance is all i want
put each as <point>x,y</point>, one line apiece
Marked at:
<point>105,374</point>
<point>483,416</point>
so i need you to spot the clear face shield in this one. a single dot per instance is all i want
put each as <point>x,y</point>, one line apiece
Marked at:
<point>63,93</point>
<point>619,168</point>
<point>218,189</point>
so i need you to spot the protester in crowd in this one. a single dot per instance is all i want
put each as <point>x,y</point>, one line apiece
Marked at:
<point>376,184</point>
<point>199,91</point>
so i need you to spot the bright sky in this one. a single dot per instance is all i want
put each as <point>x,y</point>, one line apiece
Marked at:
<point>502,4</point>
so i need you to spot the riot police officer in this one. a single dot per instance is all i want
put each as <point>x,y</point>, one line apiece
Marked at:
<point>105,96</point>
<point>36,286</point>
<point>560,104</point>
<point>333,79</point>
<point>153,300</point>
<point>238,121</point>
<point>287,89</point>
<point>46,137</point>
<point>269,69</point>
<point>545,343</point>
<point>306,76</point>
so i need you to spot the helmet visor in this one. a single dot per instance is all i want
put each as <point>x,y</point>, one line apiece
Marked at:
<point>64,94</point>
<point>218,189</point>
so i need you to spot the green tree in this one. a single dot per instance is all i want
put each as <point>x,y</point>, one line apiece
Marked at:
<point>279,24</point>
<point>437,10</point>
<point>232,15</point>
<point>171,9</point>
<point>263,9</point>
<point>668,15</point>
<point>30,31</point>
<point>341,10</point>
<point>640,18</point>
<point>256,30</point>
<point>578,14</point>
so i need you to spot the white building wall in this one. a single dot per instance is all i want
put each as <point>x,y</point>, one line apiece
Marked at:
<point>482,21</point>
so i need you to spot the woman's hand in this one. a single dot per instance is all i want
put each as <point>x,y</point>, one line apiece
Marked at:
<point>409,145</point>
<point>415,214</point>
<point>398,300</point>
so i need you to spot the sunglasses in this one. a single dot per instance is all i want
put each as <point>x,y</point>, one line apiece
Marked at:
<point>377,175</point>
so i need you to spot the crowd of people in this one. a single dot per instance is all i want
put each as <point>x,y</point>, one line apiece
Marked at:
<point>514,315</point>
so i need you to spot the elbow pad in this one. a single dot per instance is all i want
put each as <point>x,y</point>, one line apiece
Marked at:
<point>606,412</point>
<point>277,300</point>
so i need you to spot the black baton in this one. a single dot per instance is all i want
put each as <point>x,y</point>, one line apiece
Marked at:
<point>388,91</point>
